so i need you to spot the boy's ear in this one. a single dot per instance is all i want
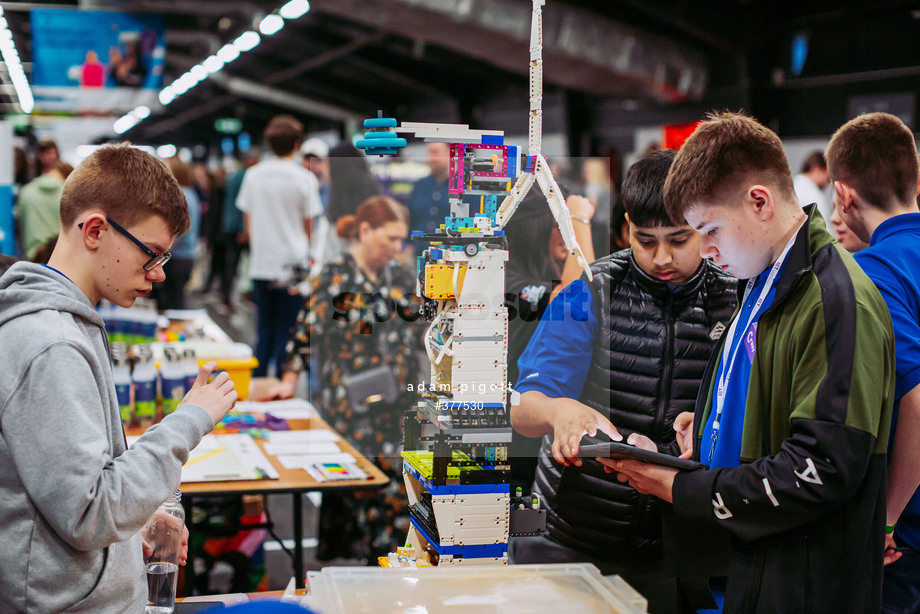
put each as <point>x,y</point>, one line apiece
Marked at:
<point>92,230</point>
<point>844,196</point>
<point>762,199</point>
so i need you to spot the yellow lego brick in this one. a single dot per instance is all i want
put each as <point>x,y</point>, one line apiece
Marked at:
<point>439,280</point>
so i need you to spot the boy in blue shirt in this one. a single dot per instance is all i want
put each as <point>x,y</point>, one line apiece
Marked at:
<point>794,414</point>
<point>872,162</point>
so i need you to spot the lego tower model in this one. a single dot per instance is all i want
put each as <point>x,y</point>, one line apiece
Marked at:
<point>456,461</point>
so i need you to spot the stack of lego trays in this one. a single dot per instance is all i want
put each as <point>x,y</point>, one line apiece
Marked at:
<point>482,589</point>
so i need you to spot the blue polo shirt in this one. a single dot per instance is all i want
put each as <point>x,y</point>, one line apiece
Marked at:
<point>727,450</point>
<point>890,261</point>
<point>558,357</point>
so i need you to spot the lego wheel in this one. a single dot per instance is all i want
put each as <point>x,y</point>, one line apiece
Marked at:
<point>471,249</point>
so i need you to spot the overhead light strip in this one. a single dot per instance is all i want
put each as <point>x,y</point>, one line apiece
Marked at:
<point>14,67</point>
<point>247,41</point>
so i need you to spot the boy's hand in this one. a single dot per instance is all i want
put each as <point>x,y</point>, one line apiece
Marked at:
<point>217,397</point>
<point>572,421</point>
<point>580,207</point>
<point>647,478</point>
<point>284,390</point>
<point>183,550</point>
<point>683,426</point>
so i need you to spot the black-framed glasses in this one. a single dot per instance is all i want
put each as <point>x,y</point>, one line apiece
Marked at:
<point>155,258</point>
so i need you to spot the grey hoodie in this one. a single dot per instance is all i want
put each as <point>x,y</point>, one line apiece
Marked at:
<point>72,498</point>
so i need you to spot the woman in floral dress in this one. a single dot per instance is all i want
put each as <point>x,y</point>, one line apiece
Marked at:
<point>361,320</point>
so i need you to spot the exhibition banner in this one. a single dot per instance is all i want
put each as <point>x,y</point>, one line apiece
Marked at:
<point>96,62</point>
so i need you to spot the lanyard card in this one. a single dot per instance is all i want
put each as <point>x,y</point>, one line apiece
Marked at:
<point>618,450</point>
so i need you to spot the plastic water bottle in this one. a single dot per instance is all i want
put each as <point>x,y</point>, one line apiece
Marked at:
<point>190,366</point>
<point>121,371</point>
<point>172,380</point>
<point>145,385</point>
<point>163,533</point>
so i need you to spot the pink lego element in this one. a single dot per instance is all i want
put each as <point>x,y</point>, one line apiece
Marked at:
<point>455,180</point>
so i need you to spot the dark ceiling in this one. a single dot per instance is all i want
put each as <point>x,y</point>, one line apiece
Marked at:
<point>607,62</point>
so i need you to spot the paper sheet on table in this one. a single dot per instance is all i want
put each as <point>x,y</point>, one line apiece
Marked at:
<point>227,457</point>
<point>302,461</point>
<point>289,409</point>
<point>320,447</point>
<point>302,437</point>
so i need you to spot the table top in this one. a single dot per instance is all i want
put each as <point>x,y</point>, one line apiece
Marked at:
<point>289,480</point>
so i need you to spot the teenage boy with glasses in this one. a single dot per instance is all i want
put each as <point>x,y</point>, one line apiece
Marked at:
<point>72,497</point>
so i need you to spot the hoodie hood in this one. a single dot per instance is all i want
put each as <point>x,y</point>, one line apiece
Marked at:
<point>50,184</point>
<point>27,288</point>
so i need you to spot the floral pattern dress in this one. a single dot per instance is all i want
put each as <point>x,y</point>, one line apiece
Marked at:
<point>351,324</point>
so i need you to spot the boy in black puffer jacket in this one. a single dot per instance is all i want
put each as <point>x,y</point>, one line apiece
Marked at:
<point>627,349</point>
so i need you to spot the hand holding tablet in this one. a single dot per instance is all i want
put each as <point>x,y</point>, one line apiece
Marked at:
<point>613,449</point>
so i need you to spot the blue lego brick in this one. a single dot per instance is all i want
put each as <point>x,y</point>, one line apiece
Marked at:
<point>417,233</point>
<point>499,233</point>
<point>380,122</point>
<point>514,162</point>
<point>436,253</point>
<point>467,552</point>
<point>456,489</point>
<point>492,139</point>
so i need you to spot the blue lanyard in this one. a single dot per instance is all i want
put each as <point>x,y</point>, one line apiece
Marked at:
<point>727,363</point>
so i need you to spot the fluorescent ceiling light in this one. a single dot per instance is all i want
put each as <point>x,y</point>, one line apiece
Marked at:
<point>294,9</point>
<point>167,95</point>
<point>271,24</point>
<point>166,151</point>
<point>124,123</point>
<point>14,67</point>
<point>213,64</point>
<point>228,53</point>
<point>247,40</point>
<point>198,72</point>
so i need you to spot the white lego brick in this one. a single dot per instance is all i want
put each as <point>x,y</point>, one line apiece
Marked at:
<point>449,561</point>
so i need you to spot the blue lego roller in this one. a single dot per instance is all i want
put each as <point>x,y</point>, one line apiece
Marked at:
<point>379,141</point>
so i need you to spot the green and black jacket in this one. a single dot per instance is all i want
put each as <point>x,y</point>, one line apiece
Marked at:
<point>805,510</point>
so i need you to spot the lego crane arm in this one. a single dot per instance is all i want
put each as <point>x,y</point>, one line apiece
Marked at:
<point>540,169</point>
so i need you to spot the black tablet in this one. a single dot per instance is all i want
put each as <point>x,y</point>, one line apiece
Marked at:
<point>614,449</point>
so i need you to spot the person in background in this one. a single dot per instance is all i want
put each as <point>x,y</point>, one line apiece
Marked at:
<point>6,261</point>
<point>810,184</point>
<point>872,161</point>
<point>38,208</point>
<point>629,349</point>
<point>171,292</point>
<point>428,202</point>
<point>218,242</point>
<point>539,266</point>
<point>279,199</point>
<point>846,237</point>
<point>361,322</point>
<point>350,183</point>
<point>595,173</point>
<point>793,415</point>
<point>48,156</point>
<point>315,159</point>
<point>231,226</point>
<point>73,497</point>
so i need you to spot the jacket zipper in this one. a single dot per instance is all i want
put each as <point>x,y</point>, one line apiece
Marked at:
<point>664,397</point>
